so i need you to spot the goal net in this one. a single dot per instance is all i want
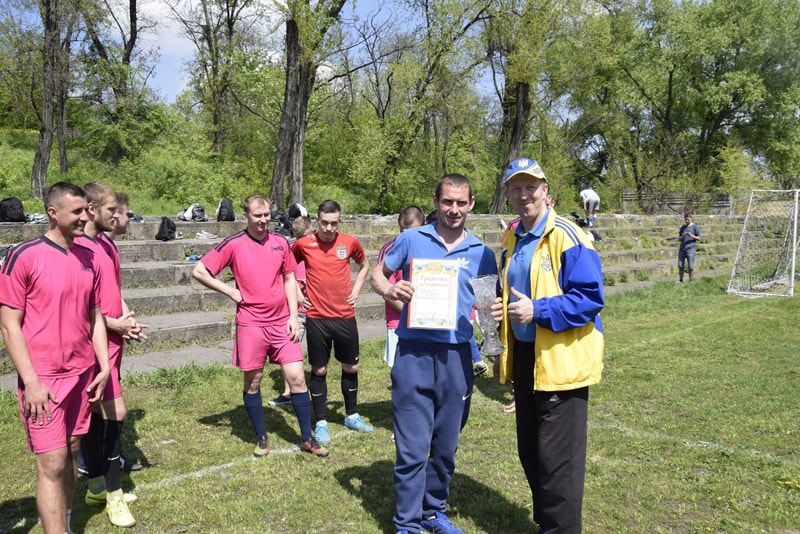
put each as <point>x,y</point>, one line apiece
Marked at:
<point>767,256</point>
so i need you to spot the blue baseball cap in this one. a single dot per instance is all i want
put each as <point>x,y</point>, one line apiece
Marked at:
<point>524,166</point>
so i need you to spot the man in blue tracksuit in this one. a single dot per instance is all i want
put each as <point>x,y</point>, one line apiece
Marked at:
<point>432,375</point>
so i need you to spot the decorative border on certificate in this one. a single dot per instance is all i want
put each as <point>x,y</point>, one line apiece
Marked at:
<point>435,301</point>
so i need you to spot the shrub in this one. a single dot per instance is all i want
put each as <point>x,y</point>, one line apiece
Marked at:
<point>15,168</point>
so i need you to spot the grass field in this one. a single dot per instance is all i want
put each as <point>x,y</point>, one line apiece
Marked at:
<point>695,428</point>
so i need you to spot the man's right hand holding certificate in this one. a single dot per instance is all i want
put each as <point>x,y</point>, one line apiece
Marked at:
<point>402,290</point>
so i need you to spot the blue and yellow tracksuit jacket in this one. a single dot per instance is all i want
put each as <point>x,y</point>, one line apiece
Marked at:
<point>567,286</point>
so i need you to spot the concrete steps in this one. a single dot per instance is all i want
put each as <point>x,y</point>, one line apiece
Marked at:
<point>133,251</point>
<point>186,318</point>
<point>176,299</point>
<point>183,328</point>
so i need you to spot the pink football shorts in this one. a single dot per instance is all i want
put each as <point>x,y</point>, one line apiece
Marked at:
<point>254,344</point>
<point>71,414</point>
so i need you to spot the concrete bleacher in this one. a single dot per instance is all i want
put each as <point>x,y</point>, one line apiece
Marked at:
<point>158,286</point>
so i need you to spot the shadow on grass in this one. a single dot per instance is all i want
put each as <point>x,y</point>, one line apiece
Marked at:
<point>372,485</point>
<point>488,509</point>
<point>18,516</point>
<point>376,413</point>
<point>129,437</point>
<point>82,512</point>
<point>278,421</point>
<point>490,389</point>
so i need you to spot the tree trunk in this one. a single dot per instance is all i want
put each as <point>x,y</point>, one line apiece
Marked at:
<point>300,77</point>
<point>301,70</point>
<point>306,77</point>
<point>282,167</point>
<point>50,11</point>
<point>299,135</point>
<point>62,92</point>
<point>298,146</point>
<point>61,130</point>
<point>516,111</point>
<point>384,190</point>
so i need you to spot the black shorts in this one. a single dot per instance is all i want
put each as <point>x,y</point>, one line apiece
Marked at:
<point>341,335</point>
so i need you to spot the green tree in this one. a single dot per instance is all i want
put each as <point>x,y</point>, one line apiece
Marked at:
<point>117,113</point>
<point>671,85</point>
<point>51,12</point>
<point>218,30</point>
<point>20,65</point>
<point>307,25</point>
<point>422,91</point>
<point>531,83</point>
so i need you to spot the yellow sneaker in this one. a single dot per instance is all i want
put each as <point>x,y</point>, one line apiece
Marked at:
<point>117,510</point>
<point>262,447</point>
<point>97,499</point>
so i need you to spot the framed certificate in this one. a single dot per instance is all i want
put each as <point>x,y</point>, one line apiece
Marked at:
<point>435,301</point>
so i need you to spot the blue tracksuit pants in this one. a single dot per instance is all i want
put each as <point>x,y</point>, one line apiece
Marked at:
<point>431,389</point>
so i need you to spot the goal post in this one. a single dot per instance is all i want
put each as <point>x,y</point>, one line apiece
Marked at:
<point>766,260</point>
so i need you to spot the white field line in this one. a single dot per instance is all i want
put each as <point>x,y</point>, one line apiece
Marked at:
<point>690,444</point>
<point>681,333</point>
<point>210,470</point>
<point>31,521</point>
<point>177,479</point>
<point>201,473</point>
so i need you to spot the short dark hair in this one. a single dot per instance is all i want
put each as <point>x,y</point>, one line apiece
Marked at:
<point>122,198</point>
<point>456,180</point>
<point>60,190</point>
<point>328,206</point>
<point>410,215</point>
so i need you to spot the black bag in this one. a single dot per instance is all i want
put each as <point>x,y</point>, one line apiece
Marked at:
<point>225,210</point>
<point>578,219</point>
<point>283,224</point>
<point>166,230</point>
<point>199,213</point>
<point>194,213</point>
<point>11,210</point>
<point>297,210</point>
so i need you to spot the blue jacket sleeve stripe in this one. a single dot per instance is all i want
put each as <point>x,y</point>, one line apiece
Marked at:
<point>569,229</point>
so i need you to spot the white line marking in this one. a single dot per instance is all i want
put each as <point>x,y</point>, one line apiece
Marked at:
<point>172,481</point>
<point>694,444</point>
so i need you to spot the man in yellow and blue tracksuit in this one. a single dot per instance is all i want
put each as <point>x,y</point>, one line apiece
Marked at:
<point>552,296</point>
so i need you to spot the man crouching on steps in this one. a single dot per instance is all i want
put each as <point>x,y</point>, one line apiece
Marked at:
<point>266,315</point>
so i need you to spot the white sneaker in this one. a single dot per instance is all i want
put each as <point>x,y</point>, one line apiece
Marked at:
<point>117,510</point>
